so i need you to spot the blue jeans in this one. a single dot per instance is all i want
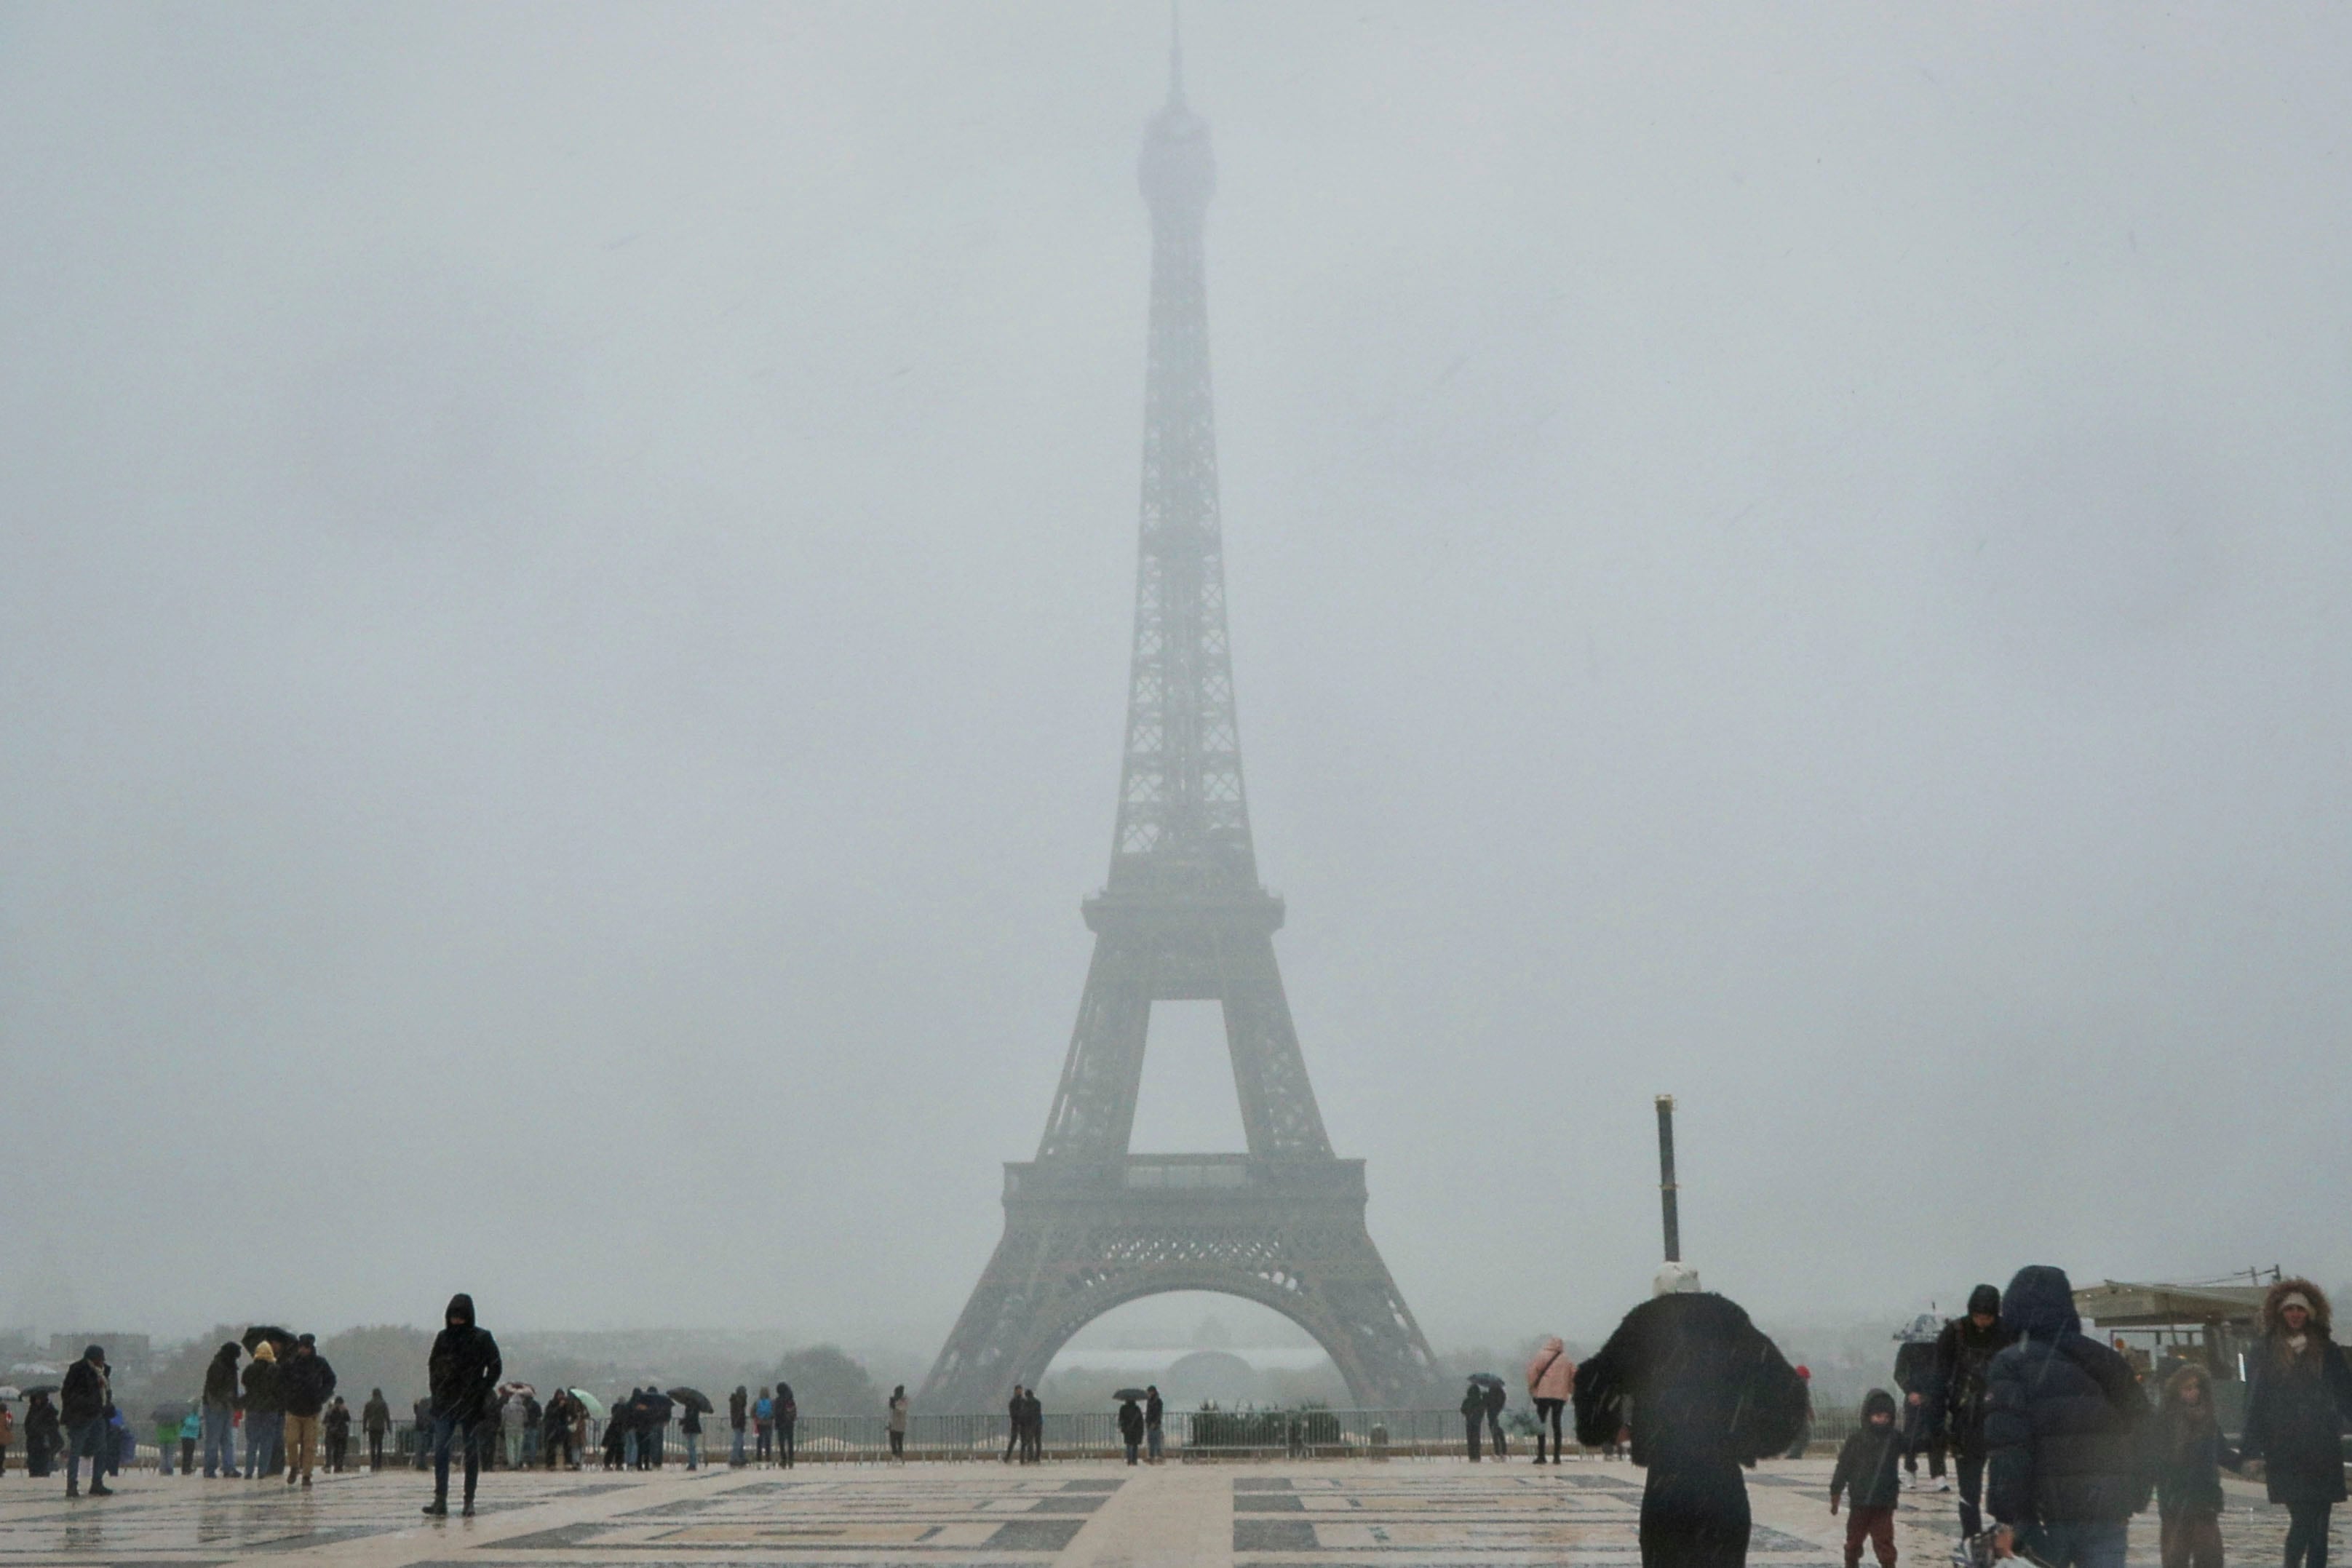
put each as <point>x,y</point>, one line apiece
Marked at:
<point>735,1455</point>
<point>261,1429</point>
<point>629,1449</point>
<point>473,1436</point>
<point>1152,1440</point>
<point>693,1450</point>
<point>93,1441</point>
<point>2086,1544</point>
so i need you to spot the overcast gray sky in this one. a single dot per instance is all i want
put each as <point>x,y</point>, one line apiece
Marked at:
<point>565,622</point>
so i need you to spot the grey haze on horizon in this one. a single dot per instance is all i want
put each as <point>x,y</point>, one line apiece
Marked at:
<point>565,620</point>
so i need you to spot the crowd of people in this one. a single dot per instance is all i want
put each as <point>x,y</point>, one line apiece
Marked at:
<point>2053,1439</point>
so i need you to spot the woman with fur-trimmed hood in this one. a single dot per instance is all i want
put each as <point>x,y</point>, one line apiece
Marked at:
<point>2296,1410</point>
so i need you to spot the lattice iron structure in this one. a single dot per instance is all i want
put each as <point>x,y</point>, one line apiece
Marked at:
<point>1087,1225</point>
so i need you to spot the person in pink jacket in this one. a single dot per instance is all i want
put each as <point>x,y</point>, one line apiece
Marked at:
<point>1550,1378</point>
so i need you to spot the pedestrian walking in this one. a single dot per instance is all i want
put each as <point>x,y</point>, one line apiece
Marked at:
<point>1963,1354</point>
<point>898,1423</point>
<point>1155,1413</point>
<point>2064,1467</point>
<point>1017,1412</point>
<point>336,1424</point>
<point>690,1426</point>
<point>43,1434</point>
<point>2190,1454</point>
<point>192,1432</point>
<point>265,1412</point>
<point>788,1415</point>
<point>304,1384</point>
<point>1550,1377</point>
<point>463,1370</point>
<point>420,1430</point>
<point>1869,1470</point>
<point>1130,1428</point>
<point>375,1423</point>
<point>2296,1408</point>
<point>1496,1399</point>
<point>83,1401</point>
<point>738,1421</point>
<point>1915,1374</point>
<point>763,1425</point>
<point>167,1437</point>
<point>1700,1392</point>
<point>220,1401</point>
<point>1474,1416</point>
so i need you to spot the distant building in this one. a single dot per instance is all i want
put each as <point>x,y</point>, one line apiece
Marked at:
<point>132,1356</point>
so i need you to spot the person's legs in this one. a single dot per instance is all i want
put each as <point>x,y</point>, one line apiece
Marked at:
<point>1156,1443</point>
<point>2083,1544</point>
<point>1936,1458</point>
<point>1470,1433</point>
<point>784,1441</point>
<point>1695,1518</point>
<point>445,1430</point>
<point>2306,1535</point>
<point>301,1446</point>
<point>1494,1431</point>
<point>1970,1467</point>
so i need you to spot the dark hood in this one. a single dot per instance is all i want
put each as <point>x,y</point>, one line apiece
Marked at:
<point>2039,1303</point>
<point>460,1307</point>
<point>1876,1400</point>
<point>1985,1299</point>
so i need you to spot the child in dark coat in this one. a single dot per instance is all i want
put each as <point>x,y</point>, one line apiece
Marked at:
<point>1869,1471</point>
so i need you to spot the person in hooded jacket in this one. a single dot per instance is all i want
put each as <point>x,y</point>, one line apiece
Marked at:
<point>2064,1459</point>
<point>376,1421</point>
<point>739,1419</point>
<point>2299,1397</point>
<point>1963,1354</point>
<point>304,1383</point>
<point>463,1373</point>
<point>1496,1399</point>
<point>1474,1416</point>
<point>42,1435</point>
<point>1704,1392</point>
<point>82,1404</point>
<point>1130,1428</point>
<point>1870,1472</point>
<point>219,1401</point>
<point>1915,1374</point>
<point>264,1412</point>
<point>2190,1454</point>
<point>1550,1377</point>
<point>336,1423</point>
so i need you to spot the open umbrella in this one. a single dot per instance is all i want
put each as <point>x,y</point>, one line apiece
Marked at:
<point>694,1397</point>
<point>1131,1393</point>
<point>252,1337</point>
<point>40,1388</point>
<point>170,1410</point>
<point>10,1391</point>
<point>1487,1380</point>
<point>596,1405</point>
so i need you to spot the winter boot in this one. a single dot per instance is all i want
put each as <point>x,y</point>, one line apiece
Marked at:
<point>440,1506</point>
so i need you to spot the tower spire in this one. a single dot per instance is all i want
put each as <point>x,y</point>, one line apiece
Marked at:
<point>1175,52</point>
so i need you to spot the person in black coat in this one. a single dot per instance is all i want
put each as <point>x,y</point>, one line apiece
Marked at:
<point>787,1413</point>
<point>82,1404</point>
<point>265,1413</point>
<point>1870,1472</point>
<point>1155,1416</point>
<point>1915,1374</point>
<point>2189,1456</point>
<point>1496,1399</point>
<point>220,1400</point>
<point>1130,1428</point>
<point>2063,1414</point>
<point>463,1372</point>
<point>1474,1416</point>
<point>304,1382</point>
<point>42,1435</point>
<point>1709,1393</point>
<point>2300,1399</point>
<point>1963,1354</point>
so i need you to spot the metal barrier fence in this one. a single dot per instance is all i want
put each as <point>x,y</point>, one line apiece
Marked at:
<point>1188,1434</point>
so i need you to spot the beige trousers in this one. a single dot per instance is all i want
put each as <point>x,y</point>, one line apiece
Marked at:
<point>301,1445</point>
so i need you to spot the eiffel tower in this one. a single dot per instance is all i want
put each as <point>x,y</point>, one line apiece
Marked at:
<point>1087,1225</point>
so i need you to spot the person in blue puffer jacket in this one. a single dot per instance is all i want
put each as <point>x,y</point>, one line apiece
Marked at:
<point>2066,1461</point>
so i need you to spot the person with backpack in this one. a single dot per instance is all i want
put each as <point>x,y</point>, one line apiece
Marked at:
<point>1550,1377</point>
<point>2296,1406</point>
<point>1963,1354</point>
<point>1702,1392</point>
<point>2063,1465</point>
<point>2190,1454</point>
<point>1869,1470</point>
<point>763,1426</point>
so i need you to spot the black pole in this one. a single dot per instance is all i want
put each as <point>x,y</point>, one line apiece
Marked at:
<point>1667,1177</point>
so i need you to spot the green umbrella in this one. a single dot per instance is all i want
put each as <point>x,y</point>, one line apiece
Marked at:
<point>596,1405</point>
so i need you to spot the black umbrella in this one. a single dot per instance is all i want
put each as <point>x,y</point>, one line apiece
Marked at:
<point>1488,1379</point>
<point>694,1398</point>
<point>271,1332</point>
<point>1131,1393</point>
<point>170,1410</point>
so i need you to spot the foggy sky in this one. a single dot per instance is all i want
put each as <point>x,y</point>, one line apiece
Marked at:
<point>564,627</point>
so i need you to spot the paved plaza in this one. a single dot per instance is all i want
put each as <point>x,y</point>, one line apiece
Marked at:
<point>1342,1514</point>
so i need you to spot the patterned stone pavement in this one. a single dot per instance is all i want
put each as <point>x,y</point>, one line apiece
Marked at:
<point>1405,1514</point>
